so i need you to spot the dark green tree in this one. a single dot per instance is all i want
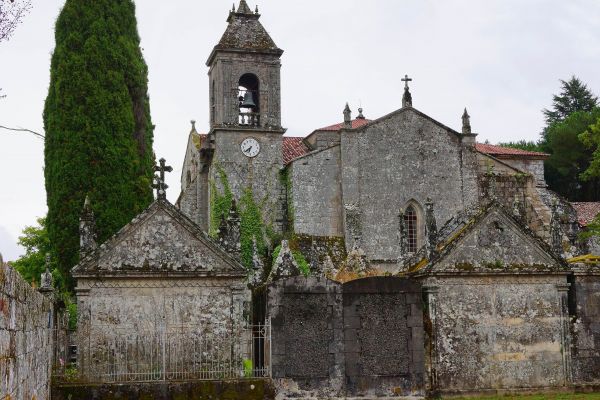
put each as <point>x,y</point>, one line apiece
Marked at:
<point>570,158</point>
<point>575,96</point>
<point>97,121</point>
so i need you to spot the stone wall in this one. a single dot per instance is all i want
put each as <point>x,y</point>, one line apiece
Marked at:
<point>25,339</point>
<point>316,194</point>
<point>363,338</point>
<point>406,156</point>
<point>585,308</point>
<point>497,332</point>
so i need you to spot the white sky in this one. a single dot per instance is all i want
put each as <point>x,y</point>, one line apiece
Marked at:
<point>500,58</point>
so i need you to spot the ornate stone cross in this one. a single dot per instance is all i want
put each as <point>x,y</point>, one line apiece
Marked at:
<point>406,79</point>
<point>159,180</point>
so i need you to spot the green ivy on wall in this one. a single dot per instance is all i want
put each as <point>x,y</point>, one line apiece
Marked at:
<point>220,203</point>
<point>252,226</point>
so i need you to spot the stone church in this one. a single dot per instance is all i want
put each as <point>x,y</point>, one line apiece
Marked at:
<point>392,255</point>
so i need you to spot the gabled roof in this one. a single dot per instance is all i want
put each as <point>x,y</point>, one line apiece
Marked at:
<point>493,242</point>
<point>245,33</point>
<point>586,211</point>
<point>161,241</point>
<point>500,151</point>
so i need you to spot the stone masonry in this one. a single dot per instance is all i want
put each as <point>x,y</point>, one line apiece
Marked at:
<point>25,338</point>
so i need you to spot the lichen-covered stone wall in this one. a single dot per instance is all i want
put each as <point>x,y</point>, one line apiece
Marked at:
<point>25,339</point>
<point>585,305</point>
<point>497,332</point>
<point>316,194</point>
<point>363,338</point>
<point>405,156</point>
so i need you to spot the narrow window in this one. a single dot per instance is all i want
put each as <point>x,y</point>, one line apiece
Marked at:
<point>410,221</point>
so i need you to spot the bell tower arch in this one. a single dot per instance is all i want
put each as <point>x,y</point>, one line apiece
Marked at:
<point>245,134</point>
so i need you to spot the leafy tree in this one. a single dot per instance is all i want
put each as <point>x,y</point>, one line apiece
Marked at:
<point>570,157</point>
<point>37,244</point>
<point>575,96</point>
<point>591,139</point>
<point>97,121</point>
<point>522,145</point>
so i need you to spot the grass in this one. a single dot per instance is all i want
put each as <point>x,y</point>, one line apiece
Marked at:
<point>558,396</point>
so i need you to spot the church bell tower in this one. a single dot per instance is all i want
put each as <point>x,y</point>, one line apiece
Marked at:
<point>245,113</point>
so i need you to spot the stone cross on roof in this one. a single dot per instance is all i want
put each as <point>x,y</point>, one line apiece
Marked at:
<point>159,180</point>
<point>406,79</point>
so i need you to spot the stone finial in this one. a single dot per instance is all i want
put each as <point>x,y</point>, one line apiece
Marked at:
<point>159,180</point>
<point>347,117</point>
<point>233,8</point>
<point>466,123</point>
<point>285,265</point>
<point>356,261</point>
<point>243,8</point>
<point>193,122</point>
<point>555,230</point>
<point>360,114</point>
<point>87,229</point>
<point>403,238</point>
<point>230,232</point>
<point>406,97</point>
<point>329,270</point>
<point>430,228</point>
<point>46,278</point>
<point>517,209</point>
<point>256,9</point>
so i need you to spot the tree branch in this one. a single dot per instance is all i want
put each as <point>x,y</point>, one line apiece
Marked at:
<point>23,130</point>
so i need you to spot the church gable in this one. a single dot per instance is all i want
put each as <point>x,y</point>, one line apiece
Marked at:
<point>495,243</point>
<point>160,240</point>
<point>408,156</point>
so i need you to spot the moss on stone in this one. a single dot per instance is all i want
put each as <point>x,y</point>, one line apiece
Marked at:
<point>220,201</point>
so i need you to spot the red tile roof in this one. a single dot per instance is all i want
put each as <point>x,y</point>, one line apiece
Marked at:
<point>586,212</point>
<point>293,147</point>
<point>507,151</point>
<point>356,123</point>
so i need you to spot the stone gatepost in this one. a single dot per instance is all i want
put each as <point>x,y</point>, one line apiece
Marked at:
<point>565,334</point>
<point>431,356</point>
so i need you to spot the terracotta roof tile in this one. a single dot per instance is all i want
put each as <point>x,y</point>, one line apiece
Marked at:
<point>356,123</point>
<point>293,147</point>
<point>586,211</point>
<point>507,151</point>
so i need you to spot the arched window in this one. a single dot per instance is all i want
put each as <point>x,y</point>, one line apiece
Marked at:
<point>188,178</point>
<point>412,227</point>
<point>249,100</point>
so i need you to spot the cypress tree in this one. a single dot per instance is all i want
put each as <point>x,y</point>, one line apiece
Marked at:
<point>97,122</point>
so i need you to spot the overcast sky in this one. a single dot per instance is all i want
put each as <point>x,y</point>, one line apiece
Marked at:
<point>502,59</point>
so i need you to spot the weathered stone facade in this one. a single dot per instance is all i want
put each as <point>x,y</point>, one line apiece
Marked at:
<point>25,338</point>
<point>159,272</point>
<point>363,338</point>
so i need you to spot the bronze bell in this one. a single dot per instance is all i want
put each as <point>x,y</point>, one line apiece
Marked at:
<point>248,101</point>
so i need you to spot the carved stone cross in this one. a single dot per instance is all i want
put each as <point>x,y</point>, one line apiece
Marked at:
<point>159,180</point>
<point>406,79</point>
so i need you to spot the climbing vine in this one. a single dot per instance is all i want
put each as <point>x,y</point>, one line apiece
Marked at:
<point>220,203</point>
<point>251,227</point>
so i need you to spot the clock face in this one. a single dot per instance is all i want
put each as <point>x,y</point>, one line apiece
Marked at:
<point>250,147</point>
